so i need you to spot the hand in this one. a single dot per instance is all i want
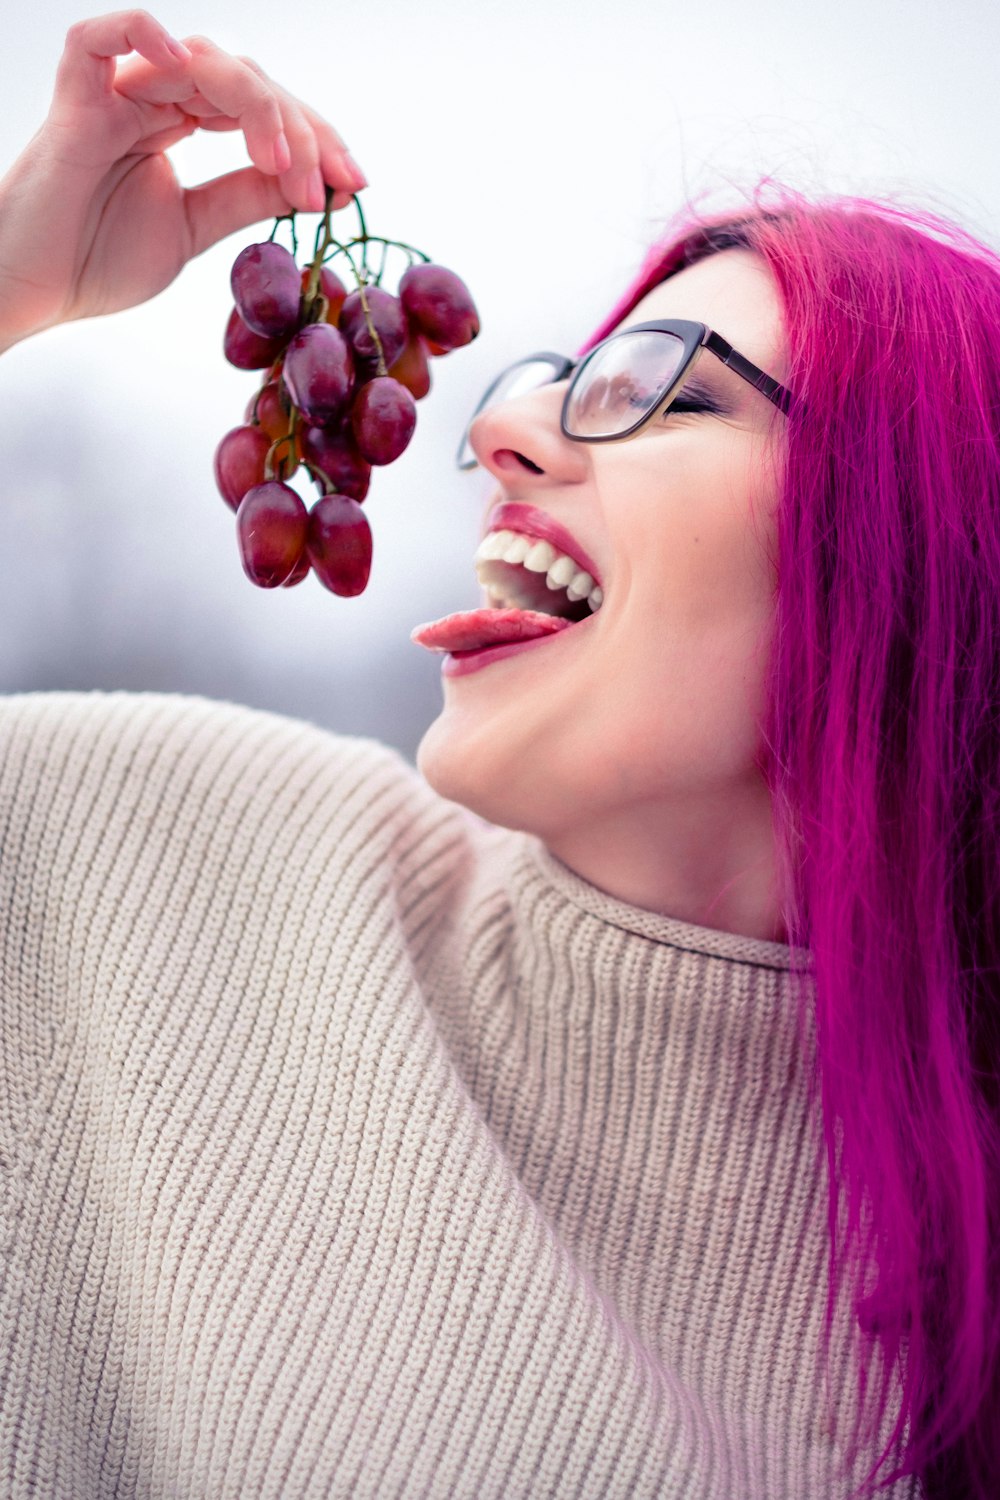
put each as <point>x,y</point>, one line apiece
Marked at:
<point>92,217</point>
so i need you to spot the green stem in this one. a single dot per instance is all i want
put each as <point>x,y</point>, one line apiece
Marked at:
<point>324,239</point>
<point>315,303</point>
<point>361,217</point>
<point>291,224</point>
<point>360,278</point>
<point>271,462</point>
<point>378,239</point>
<point>318,477</point>
<point>382,367</point>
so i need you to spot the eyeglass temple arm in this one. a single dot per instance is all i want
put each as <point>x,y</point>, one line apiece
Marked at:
<point>741,366</point>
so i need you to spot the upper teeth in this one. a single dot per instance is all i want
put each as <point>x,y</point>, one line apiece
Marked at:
<point>561,571</point>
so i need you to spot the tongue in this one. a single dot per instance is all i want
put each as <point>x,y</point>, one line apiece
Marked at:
<point>486,627</point>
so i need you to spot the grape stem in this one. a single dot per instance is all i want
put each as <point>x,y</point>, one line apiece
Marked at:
<point>382,368</point>
<point>378,239</point>
<point>326,484</point>
<point>271,461</point>
<point>324,240</point>
<point>323,235</point>
<point>291,224</point>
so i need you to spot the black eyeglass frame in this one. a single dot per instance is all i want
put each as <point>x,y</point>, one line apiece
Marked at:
<point>694,336</point>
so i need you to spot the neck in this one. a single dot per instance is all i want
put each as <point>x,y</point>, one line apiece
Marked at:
<point>709,862</point>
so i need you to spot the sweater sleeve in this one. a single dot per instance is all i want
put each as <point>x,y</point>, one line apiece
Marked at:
<point>124,817</point>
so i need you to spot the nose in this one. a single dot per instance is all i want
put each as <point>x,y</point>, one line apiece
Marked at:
<point>520,441</point>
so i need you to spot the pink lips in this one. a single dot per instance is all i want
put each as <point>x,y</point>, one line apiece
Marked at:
<point>472,638</point>
<point>510,515</point>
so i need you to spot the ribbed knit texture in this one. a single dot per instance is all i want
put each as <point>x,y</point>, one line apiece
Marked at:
<point>351,1147</point>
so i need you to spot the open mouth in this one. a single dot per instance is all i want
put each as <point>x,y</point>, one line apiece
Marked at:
<point>538,582</point>
<point>520,571</point>
<point>534,591</point>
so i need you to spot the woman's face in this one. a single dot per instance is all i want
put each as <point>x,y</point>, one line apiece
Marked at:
<point>628,745</point>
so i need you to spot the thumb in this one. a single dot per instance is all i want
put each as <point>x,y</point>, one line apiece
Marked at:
<point>229,203</point>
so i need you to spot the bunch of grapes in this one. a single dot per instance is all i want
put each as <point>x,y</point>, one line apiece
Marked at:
<point>344,371</point>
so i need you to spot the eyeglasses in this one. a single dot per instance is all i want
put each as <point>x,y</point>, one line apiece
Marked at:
<point>624,382</point>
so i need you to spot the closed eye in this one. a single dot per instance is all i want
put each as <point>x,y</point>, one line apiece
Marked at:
<point>689,403</point>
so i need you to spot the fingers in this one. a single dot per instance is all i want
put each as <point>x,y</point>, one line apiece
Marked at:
<point>229,203</point>
<point>86,69</point>
<point>322,146</point>
<point>236,90</point>
<point>317,153</point>
<point>334,158</point>
<point>303,179</point>
<point>285,138</point>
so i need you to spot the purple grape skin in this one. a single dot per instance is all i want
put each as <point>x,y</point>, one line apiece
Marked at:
<point>271,527</point>
<point>339,543</point>
<point>266,285</point>
<point>439,304</point>
<point>387,315</point>
<point>334,452</point>
<point>383,418</point>
<point>246,349</point>
<point>239,462</point>
<point>319,372</point>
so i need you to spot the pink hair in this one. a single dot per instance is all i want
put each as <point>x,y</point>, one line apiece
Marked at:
<point>882,753</point>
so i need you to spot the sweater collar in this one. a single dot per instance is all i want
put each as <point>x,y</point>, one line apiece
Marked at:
<point>659,928</point>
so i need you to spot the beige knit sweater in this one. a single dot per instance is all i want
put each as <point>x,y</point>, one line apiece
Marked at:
<point>351,1147</point>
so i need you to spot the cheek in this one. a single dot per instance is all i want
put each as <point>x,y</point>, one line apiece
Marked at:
<point>693,532</point>
<point>694,613</point>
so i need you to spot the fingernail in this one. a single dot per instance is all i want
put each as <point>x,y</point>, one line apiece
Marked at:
<point>179,50</point>
<point>282,152</point>
<point>360,180</point>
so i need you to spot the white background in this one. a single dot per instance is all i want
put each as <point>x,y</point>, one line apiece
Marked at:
<point>536,148</point>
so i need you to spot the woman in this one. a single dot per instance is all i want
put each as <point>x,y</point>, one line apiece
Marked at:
<point>613,1110</point>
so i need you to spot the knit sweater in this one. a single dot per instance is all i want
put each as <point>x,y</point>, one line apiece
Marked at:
<point>352,1147</point>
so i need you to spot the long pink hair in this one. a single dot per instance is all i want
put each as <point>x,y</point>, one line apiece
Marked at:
<point>882,753</point>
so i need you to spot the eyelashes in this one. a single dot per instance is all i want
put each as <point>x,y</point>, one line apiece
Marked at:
<point>689,405</point>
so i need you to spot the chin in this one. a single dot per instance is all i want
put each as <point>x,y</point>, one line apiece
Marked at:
<point>476,766</point>
<point>450,764</point>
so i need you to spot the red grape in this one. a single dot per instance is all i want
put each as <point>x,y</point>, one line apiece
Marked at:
<point>332,288</point>
<point>271,410</point>
<point>271,526</point>
<point>388,318</point>
<point>299,572</point>
<point>438,303</point>
<point>334,452</point>
<point>383,417</point>
<point>265,283</point>
<point>339,542</point>
<point>319,372</point>
<point>239,462</point>
<point>411,368</point>
<point>246,349</point>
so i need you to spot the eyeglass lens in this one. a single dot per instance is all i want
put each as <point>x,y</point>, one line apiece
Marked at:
<point>621,382</point>
<point>615,387</point>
